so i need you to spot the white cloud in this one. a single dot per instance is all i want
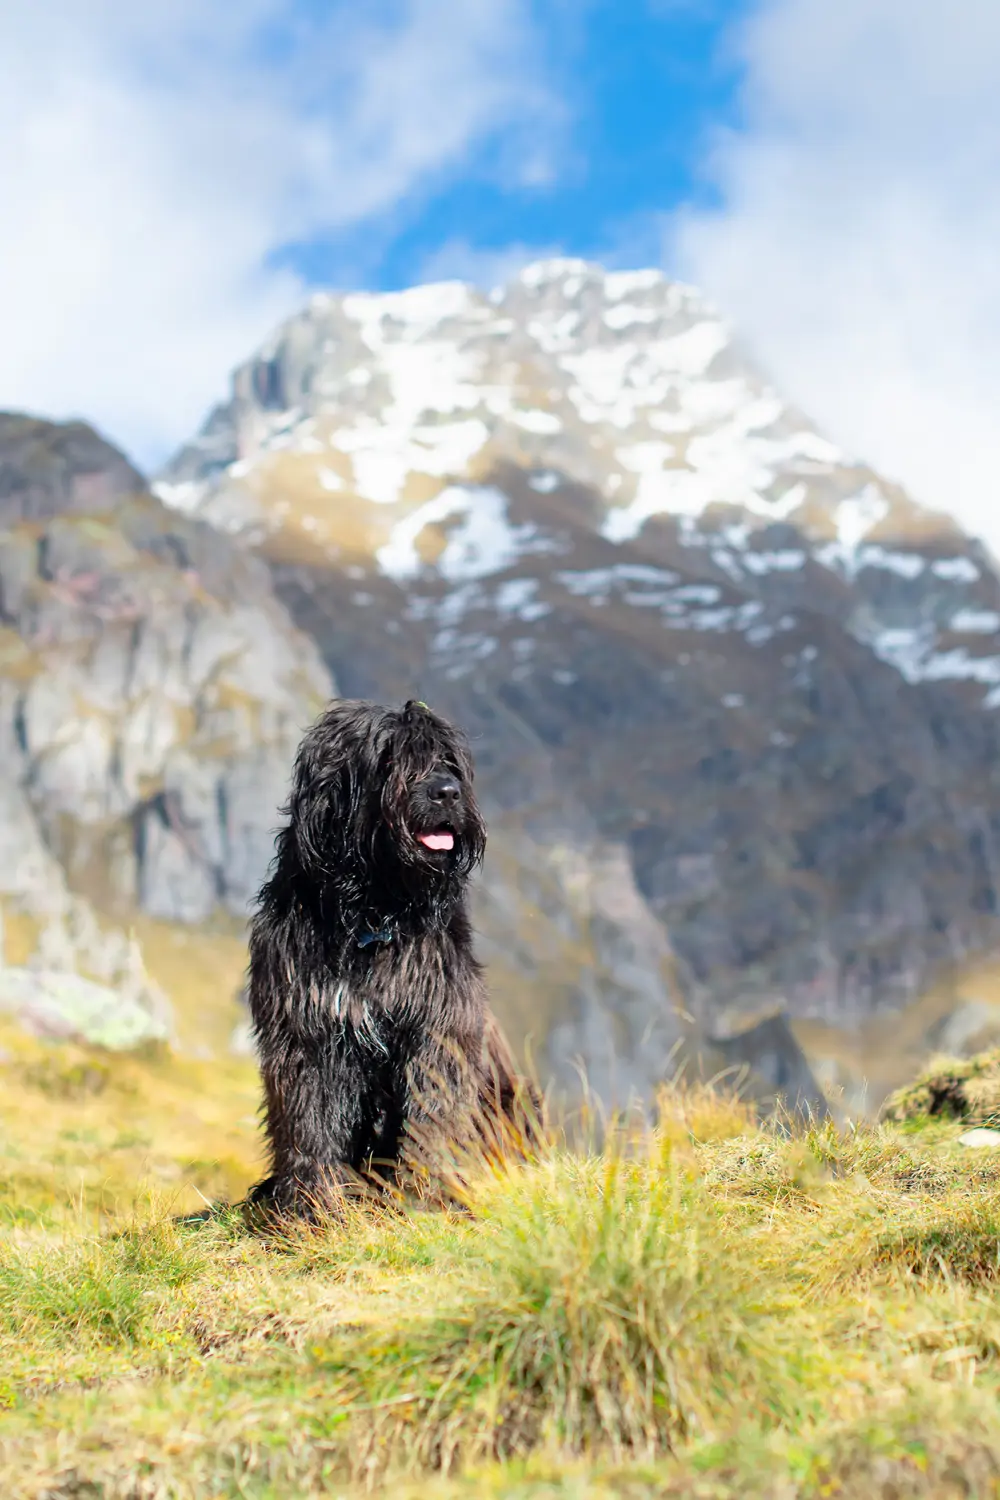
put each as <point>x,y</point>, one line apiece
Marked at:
<point>621,245</point>
<point>484,266</point>
<point>155,156</point>
<point>857,242</point>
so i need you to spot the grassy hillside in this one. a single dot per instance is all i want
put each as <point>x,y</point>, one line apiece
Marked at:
<point>708,1309</point>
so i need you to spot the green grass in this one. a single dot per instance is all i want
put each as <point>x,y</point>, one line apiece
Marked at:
<point>705,1309</point>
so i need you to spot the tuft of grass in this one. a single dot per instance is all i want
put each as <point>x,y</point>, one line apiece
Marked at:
<point>595,1303</point>
<point>960,1089</point>
<point>89,1290</point>
<point>698,1113</point>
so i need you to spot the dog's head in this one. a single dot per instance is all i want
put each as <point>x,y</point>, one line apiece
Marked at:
<point>427,800</point>
<point>386,794</point>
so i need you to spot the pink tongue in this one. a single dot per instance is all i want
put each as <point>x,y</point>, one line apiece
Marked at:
<point>437,840</point>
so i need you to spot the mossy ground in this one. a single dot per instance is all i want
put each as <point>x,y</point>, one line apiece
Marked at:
<point>705,1309</point>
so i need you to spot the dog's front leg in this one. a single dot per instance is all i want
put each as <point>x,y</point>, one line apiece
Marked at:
<point>316,1119</point>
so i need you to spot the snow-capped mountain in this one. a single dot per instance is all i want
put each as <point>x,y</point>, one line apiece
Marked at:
<point>351,428</point>
<point>733,695</point>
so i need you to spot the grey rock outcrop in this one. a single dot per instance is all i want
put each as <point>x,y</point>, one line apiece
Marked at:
<point>152,692</point>
<point>70,941</point>
<point>766,1061</point>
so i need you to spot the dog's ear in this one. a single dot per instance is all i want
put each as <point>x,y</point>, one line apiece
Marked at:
<point>323,798</point>
<point>335,768</point>
<point>311,815</point>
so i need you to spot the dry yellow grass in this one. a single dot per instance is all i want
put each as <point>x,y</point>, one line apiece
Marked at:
<point>20,935</point>
<point>80,1126</point>
<point>201,969</point>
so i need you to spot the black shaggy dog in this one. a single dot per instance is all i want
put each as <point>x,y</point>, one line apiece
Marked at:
<point>368,1004</point>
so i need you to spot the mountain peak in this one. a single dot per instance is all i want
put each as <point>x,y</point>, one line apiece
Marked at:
<point>625,382</point>
<point>619,376</point>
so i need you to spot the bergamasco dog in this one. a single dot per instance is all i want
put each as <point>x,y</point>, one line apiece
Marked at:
<point>368,1005</point>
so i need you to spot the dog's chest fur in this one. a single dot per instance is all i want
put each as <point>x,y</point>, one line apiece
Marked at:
<point>391,988</point>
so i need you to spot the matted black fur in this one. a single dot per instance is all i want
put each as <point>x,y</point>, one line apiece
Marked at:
<point>368,1004</point>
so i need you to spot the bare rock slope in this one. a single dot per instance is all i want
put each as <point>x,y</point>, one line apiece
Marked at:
<point>152,690</point>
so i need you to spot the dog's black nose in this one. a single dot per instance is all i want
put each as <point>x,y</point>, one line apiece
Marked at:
<point>444,789</point>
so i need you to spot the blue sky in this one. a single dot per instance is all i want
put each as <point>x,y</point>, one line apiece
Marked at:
<point>178,174</point>
<point>643,89</point>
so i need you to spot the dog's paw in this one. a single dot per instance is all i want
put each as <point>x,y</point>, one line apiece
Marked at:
<point>315,1197</point>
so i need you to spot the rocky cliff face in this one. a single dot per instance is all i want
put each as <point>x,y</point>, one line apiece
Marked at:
<point>734,696</point>
<point>152,690</point>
